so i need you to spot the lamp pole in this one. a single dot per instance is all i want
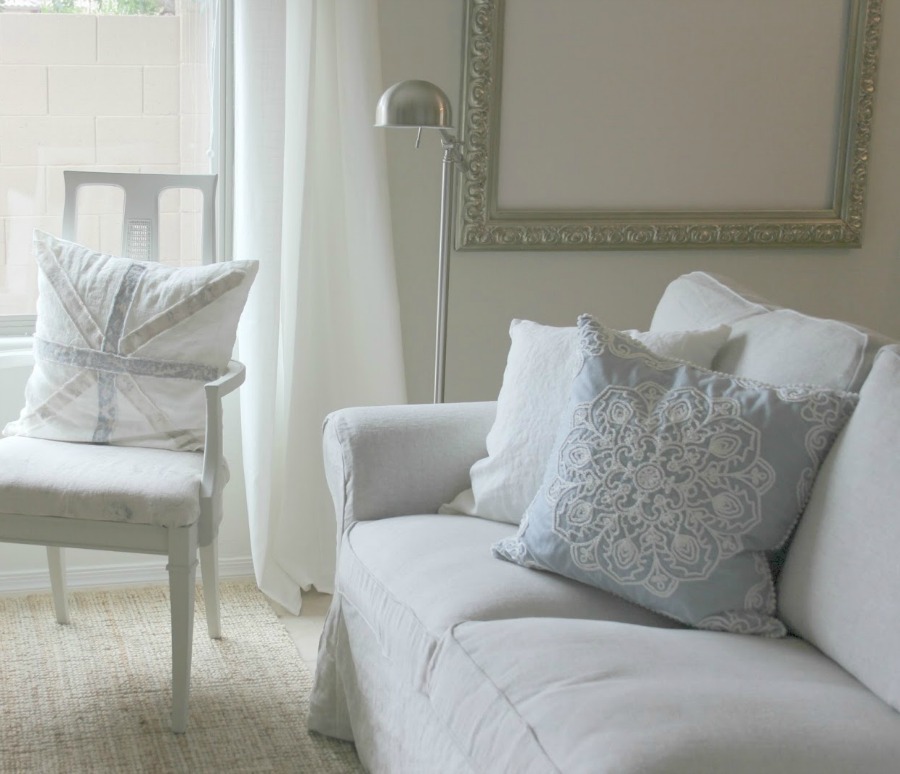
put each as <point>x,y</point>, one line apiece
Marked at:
<point>452,156</point>
<point>422,105</point>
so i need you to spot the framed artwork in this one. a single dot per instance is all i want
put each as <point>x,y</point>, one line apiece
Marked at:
<point>644,124</point>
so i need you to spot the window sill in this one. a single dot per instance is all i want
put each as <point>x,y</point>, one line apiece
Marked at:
<point>15,352</point>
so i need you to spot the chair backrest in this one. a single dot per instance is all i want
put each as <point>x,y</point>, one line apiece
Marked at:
<point>140,228</point>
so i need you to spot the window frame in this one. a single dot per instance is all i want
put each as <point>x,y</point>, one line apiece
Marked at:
<point>16,330</point>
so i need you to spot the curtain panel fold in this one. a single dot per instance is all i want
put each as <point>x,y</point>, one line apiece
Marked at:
<point>321,329</point>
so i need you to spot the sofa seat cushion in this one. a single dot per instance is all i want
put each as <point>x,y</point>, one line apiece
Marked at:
<point>414,577</point>
<point>153,486</point>
<point>534,695</point>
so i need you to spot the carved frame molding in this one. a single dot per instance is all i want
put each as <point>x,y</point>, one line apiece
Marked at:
<point>482,225</point>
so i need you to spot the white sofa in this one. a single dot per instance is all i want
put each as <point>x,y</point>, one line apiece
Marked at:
<point>438,657</point>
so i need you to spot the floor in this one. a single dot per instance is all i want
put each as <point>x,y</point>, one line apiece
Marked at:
<point>306,628</point>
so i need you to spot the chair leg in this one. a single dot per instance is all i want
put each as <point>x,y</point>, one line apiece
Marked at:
<point>56,560</point>
<point>209,572</point>
<point>182,574</point>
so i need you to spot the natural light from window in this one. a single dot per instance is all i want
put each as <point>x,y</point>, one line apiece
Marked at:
<point>108,85</point>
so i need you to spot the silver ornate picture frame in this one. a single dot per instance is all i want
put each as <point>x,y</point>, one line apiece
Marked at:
<point>494,213</point>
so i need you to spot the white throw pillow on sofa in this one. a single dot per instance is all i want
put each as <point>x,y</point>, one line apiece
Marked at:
<point>541,364</point>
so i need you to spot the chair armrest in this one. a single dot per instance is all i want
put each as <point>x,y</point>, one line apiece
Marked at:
<point>401,460</point>
<point>214,471</point>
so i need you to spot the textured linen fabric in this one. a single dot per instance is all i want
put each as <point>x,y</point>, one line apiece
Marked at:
<point>768,343</point>
<point>840,583</point>
<point>398,460</point>
<point>394,726</point>
<point>786,347</point>
<point>540,366</point>
<point>153,486</point>
<point>698,300</point>
<point>540,695</point>
<point>669,483</point>
<point>322,328</point>
<point>382,564</point>
<point>123,348</point>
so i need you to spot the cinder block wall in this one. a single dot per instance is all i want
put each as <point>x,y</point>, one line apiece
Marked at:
<point>113,93</point>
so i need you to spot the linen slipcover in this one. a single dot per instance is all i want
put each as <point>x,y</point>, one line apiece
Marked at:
<point>600,697</point>
<point>154,486</point>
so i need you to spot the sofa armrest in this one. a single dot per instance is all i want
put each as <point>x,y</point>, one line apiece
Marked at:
<point>400,460</point>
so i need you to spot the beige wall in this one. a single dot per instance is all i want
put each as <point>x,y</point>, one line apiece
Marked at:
<point>423,39</point>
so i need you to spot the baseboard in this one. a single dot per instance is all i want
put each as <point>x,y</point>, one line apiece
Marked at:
<point>113,575</point>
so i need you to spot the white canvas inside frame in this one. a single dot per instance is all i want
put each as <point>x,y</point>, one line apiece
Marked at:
<point>655,105</point>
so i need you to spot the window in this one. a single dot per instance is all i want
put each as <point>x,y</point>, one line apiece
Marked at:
<point>113,85</point>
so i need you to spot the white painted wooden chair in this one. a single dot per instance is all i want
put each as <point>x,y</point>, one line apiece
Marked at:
<point>59,470</point>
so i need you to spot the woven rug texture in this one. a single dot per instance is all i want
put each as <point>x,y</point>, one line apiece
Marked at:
<point>95,695</point>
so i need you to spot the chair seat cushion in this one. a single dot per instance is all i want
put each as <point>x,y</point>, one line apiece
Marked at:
<point>99,483</point>
<point>538,695</point>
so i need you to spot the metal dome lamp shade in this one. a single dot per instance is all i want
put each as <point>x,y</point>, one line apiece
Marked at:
<point>422,105</point>
<point>414,103</point>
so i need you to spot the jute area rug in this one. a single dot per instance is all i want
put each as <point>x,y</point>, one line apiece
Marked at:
<point>94,696</point>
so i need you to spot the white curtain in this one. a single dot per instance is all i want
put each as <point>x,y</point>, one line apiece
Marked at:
<point>321,329</point>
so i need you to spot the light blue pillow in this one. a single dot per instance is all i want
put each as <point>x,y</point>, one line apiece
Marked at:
<point>670,485</point>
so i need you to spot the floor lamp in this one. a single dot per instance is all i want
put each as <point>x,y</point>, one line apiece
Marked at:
<point>422,105</point>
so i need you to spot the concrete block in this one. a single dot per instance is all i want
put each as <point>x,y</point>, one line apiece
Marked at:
<point>87,231</point>
<point>194,142</point>
<point>56,190</point>
<point>195,88</point>
<point>161,90</point>
<point>191,199</point>
<point>170,200</point>
<point>146,40</point>
<point>48,38</point>
<point>194,46</point>
<point>96,90</point>
<point>191,239</point>
<point>144,140</point>
<point>23,90</point>
<point>101,200</point>
<point>19,237</point>
<point>18,290</point>
<point>170,238</point>
<point>109,233</point>
<point>22,192</point>
<point>61,140</point>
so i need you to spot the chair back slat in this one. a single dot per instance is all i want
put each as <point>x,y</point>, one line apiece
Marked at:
<point>140,230</point>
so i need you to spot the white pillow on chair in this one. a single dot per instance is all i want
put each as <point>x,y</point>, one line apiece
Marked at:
<point>123,348</point>
<point>542,362</point>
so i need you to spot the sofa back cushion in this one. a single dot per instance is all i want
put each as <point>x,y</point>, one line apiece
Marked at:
<point>700,300</point>
<point>840,586</point>
<point>767,343</point>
